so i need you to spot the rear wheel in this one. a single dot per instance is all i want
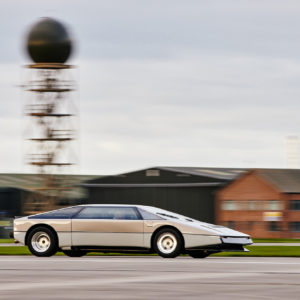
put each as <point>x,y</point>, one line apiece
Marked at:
<point>168,243</point>
<point>74,253</point>
<point>42,241</point>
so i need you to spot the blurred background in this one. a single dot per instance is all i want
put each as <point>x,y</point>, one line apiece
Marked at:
<point>195,83</point>
<point>219,80</point>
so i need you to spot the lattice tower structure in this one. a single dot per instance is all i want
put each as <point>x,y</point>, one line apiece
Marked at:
<point>50,111</point>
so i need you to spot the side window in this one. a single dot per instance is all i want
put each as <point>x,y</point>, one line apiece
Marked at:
<point>108,213</point>
<point>149,216</point>
<point>64,213</point>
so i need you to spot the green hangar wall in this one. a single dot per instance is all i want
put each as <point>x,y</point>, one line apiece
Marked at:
<point>188,191</point>
<point>10,202</point>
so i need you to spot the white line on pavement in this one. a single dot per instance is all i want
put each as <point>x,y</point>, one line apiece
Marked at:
<point>131,260</point>
<point>114,281</point>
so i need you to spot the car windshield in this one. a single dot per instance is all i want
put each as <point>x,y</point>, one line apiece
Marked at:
<point>174,216</point>
<point>164,213</point>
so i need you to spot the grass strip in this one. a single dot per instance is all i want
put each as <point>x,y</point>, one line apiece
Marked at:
<point>276,240</point>
<point>260,251</point>
<point>266,251</point>
<point>22,250</point>
<point>2,241</point>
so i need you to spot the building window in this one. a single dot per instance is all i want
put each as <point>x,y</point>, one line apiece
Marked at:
<point>242,225</point>
<point>229,205</point>
<point>295,226</point>
<point>251,205</point>
<point>258,205</point>
<point>251,225</point>
<point>242,205</point>
<point>295,205</point>
<point>274,226</point>
<point>230,224</point>
<point>274,205</point>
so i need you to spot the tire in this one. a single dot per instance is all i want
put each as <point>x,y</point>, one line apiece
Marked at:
<point>42,242</point>
<point>199,254</point>
<point>74,253</point>
<point>167,243</point>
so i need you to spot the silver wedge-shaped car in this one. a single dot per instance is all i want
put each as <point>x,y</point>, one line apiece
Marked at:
<point>80,229</point>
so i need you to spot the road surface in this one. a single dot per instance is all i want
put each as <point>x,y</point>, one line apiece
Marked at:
<point>60,277</point>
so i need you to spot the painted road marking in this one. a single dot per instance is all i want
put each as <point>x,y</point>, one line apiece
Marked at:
<point>115,281</point>
<point>31,259</point>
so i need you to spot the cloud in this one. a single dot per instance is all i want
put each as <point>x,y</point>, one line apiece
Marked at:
<point>202,108</point>
<point>212,83</point>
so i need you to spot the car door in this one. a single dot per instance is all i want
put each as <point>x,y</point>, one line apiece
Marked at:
<point>108,226</point>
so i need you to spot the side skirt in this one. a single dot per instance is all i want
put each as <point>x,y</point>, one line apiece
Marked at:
<point>113,249</point>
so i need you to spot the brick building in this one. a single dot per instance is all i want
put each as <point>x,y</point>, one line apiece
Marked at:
<point>264,203</point>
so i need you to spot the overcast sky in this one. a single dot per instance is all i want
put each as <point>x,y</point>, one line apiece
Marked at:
<point>166,82</point>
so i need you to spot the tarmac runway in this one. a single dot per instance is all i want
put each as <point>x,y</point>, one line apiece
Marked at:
<point>60,277</point>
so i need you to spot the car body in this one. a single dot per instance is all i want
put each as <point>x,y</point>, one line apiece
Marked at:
<point>80,229</point>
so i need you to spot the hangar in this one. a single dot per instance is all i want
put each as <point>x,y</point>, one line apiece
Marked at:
<point>186,190</point>
<point>15,190</point>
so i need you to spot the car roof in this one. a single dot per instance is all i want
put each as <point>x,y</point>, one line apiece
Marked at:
<point>151,209</point>
<point>120,205</point>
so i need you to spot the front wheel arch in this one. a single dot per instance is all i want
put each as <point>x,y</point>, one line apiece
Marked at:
<point>166,227</point>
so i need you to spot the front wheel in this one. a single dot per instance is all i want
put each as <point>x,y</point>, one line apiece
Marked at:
<point>168,243</point>
<point>42,241</point>
<point>74,253</point>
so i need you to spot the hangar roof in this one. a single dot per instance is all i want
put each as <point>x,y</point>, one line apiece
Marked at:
<point>286,180</point>
<point>167,177</point>
<point>218,173</point>
<point>31,182</point>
